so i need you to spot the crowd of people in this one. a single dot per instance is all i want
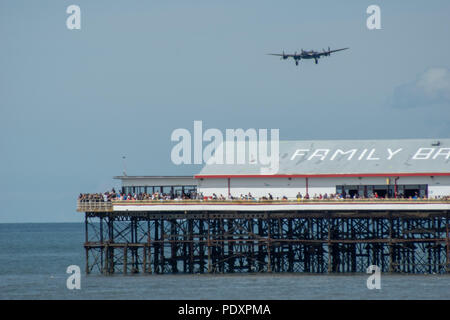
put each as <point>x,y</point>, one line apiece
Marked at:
<point>113,195</point>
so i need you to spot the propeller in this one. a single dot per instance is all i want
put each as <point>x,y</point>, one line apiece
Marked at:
<point>326,53</point>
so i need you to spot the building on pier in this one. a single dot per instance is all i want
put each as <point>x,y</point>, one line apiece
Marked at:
<point>361,168</point>
<point>333,235</point>
<point>175,185</point>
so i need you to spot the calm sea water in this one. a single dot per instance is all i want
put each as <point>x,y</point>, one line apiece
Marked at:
<point>34,258</point>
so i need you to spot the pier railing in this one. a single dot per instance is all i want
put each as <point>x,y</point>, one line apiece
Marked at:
<point>106,206</point>
<point>94,206</point>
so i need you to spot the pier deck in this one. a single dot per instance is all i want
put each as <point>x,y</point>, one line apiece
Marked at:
<point>268,206</point>
<point>406,236</point>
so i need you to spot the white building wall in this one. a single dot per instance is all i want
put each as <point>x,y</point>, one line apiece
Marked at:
<point>159,181</point>
<point>279,187</point>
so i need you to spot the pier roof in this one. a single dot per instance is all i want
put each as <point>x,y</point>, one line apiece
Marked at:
<point>328,158</point>
<point>152,177</point>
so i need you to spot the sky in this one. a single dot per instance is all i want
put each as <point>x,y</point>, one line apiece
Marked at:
<point>74,102</point>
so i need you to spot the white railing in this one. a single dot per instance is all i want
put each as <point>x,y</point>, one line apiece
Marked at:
<point>98,205</point>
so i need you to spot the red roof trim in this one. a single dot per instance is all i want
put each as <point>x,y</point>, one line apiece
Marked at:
<point>326,175</point>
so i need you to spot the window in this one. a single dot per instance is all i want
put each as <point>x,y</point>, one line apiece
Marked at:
<point>383,191</point>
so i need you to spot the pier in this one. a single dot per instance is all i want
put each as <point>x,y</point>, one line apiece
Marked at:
<point>310,236</point>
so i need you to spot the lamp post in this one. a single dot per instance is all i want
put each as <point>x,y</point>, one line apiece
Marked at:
<point>124,166</point>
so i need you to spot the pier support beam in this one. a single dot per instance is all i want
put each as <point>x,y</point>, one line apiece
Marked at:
<point>205,242</point>
<point>125,259</point>
<point>269,247</point>
<point>447,231</point>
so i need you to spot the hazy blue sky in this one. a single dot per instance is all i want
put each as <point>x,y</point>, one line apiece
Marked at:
<point>74,101</point>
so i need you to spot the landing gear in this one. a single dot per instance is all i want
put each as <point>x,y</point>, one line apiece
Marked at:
<point>296,62</point>
<point>317,61</point>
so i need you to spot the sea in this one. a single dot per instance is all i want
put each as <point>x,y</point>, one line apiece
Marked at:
<point>34,259</point>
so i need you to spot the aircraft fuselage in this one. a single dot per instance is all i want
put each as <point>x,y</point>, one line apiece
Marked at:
<point>309,56</point>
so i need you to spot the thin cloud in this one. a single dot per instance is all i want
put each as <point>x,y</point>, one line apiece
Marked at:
<point>430,87</point>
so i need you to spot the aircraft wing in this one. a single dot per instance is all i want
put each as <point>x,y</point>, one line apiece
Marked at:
<point>331,51</point>
<point>281,55</point>
<point>326,53</point>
